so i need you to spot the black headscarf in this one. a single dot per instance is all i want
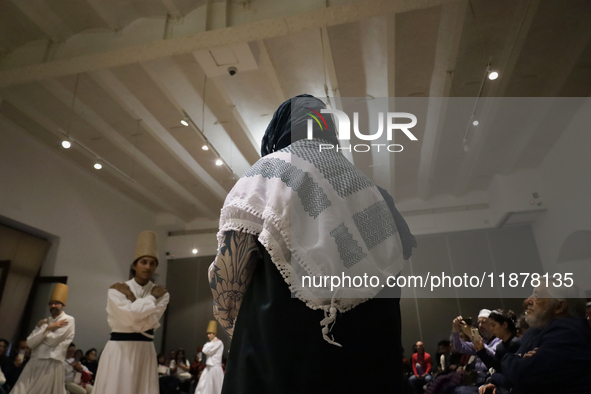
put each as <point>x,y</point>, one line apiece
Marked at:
<point>289,124</point>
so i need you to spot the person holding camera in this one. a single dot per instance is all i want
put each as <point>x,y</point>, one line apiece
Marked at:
<point>128,363</point>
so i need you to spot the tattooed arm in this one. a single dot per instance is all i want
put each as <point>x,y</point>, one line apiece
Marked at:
<point>230,275</point>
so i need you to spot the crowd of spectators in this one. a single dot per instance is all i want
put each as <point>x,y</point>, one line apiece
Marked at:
<point>546,350</point>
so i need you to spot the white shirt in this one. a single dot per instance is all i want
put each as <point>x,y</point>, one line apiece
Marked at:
<point>70,371</point>
<point>52,344</point>
<point>139,316</point>
<point>180,373</point>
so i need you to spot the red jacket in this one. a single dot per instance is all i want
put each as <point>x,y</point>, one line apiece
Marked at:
<point>422,359</point>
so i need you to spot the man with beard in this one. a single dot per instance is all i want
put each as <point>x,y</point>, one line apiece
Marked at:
<point>555,356</point>
<point>44,373</point>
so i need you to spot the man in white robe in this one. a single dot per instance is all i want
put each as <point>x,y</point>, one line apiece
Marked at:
<point>44,373</point>
<point>128,363</point>
<point>212,378</point>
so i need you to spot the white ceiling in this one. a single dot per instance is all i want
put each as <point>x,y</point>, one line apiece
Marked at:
<point>141,66</point>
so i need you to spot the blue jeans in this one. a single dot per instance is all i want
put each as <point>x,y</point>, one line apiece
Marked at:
<point>416,384</point>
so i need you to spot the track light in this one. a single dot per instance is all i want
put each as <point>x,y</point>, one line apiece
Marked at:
<point>493,75</point>
<point>194,251</point>
<point>475,123</point>
<point>98,166</point>
<point>66,144</point>
<point>219,162</point>
<point>184,123</point>
<point>205,147</point>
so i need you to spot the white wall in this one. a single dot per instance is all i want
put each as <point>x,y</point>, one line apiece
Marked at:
<point>566,175</point>
<point>96,225</point>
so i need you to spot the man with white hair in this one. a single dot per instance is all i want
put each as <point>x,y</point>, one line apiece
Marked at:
<point>555,356</point>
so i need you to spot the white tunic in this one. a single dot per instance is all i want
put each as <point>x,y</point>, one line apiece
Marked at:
<point>130,366</point>
<point>212,378</point>
<point>44,373</point>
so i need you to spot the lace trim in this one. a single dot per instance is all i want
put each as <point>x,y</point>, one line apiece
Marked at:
<point>231,219</point>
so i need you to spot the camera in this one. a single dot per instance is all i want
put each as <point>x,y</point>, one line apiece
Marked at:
<point>232,71</point>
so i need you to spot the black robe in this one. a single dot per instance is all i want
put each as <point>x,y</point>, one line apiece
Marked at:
<point>278,346</point>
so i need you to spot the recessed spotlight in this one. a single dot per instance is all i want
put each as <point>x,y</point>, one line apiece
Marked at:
<point>66,144</point>
<point>493,75</point>
<point>194,251</point>
<point>219,162</point>
<point>97,166</point>
<point>475,123</point>
<point>184,123</point>
<point>205,147</point>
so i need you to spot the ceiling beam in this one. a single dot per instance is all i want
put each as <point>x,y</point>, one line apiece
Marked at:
<point>237,116</point>
<point>107,15</point>
<point>95,120</point>
<point>333,90</point>
<point>258,30</point>
<point>175,84</point>
<point>451,26</point>
<point>40,13</point>
<point>22,104</point>
<point>506,66</point>
<point>116,89</point>
<point>267,64</point>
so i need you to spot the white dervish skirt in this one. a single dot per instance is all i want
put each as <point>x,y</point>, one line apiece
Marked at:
<point>127,367</point>
<point>41,376</point>
<point>211,380</point>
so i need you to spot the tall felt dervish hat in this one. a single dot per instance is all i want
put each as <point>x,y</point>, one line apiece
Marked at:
<point>147,245</point>
<point>212,327</point>
<point>60,293</point>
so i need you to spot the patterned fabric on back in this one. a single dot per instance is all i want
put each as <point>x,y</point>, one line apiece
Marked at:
<point>319,217</point>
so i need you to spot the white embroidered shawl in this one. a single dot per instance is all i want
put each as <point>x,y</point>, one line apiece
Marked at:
<point>317,215</point>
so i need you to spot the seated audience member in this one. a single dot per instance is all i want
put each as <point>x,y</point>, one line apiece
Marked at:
<point>4,344</point>
<point>16,362</point>
<point>446,383</point>
<point>167,384</point>
<point>556,356</point>
<point>421,366</point>
<point>179,368</point>
<point>447,361</point>
<point>76,384</point>
<point>489,341</point>
<point>522,326</point>
<point>171,356</point>
<point>79,355</point>
<point>589,312</point>
<point>163,369</point>
<point>90,362</point>
<point>197,367</point>
<point>3,361</point>
<point>502,326</point>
